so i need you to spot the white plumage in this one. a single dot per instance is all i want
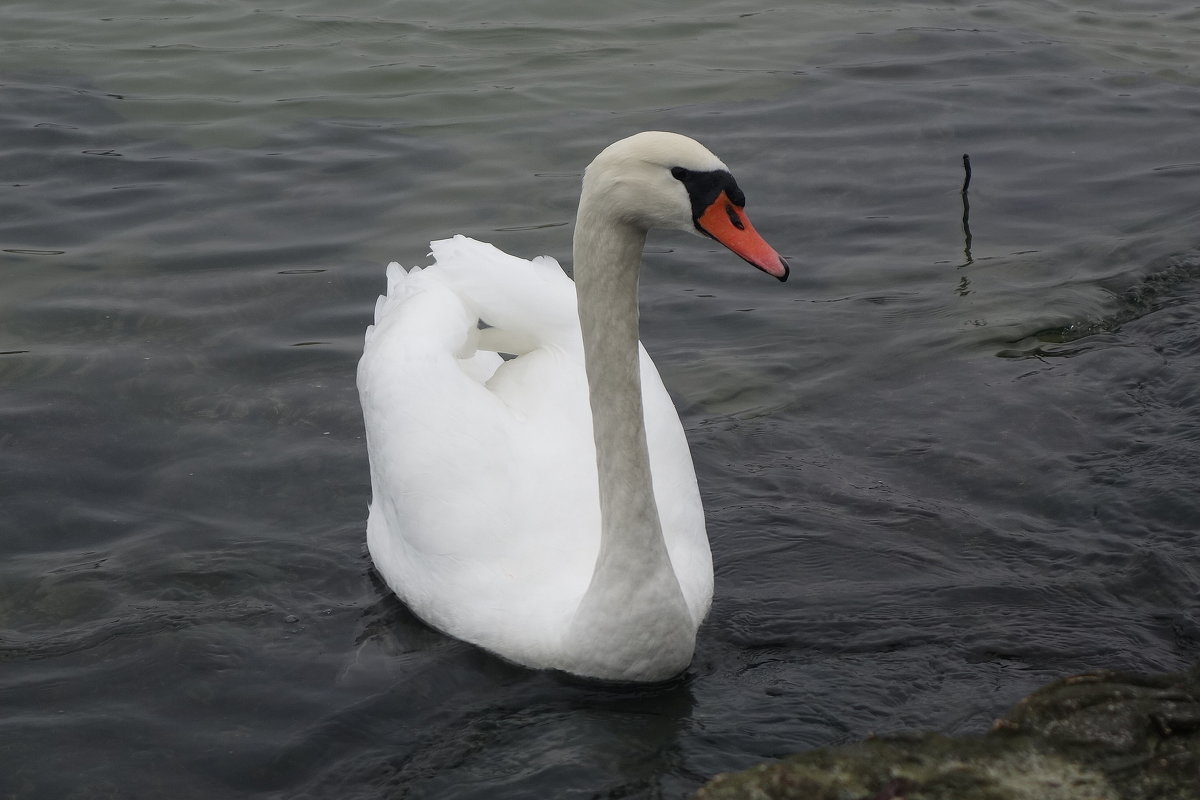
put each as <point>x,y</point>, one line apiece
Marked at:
<point>486,511</point>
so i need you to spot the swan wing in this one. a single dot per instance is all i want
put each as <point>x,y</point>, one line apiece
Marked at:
<point>484,516</point>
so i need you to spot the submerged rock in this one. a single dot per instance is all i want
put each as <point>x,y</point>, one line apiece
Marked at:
<point>1098,736</point>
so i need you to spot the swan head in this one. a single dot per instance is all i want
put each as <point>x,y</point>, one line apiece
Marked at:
<point>657,179</point>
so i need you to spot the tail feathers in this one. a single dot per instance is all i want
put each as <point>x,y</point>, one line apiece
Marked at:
<point>400,286</point>
<point>396,277</point>
<point>418,307</point>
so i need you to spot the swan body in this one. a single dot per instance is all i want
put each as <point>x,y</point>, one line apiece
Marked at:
<point>545,507</point>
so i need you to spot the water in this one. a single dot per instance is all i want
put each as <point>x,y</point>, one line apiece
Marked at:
<point>939,470</point>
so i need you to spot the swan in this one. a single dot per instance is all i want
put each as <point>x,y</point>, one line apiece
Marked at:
<point>544,506</point>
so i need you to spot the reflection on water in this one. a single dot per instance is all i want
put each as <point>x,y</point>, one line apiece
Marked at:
<point>195,211</point>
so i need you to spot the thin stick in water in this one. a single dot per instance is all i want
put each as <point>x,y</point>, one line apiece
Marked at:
<point>966,217</point>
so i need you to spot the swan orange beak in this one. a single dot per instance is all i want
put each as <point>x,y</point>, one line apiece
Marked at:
<point>729,225</point>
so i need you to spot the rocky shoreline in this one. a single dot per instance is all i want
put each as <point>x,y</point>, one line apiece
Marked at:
<point>1097,736</point>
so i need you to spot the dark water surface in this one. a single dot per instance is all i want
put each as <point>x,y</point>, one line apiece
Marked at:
<point>940,469</point>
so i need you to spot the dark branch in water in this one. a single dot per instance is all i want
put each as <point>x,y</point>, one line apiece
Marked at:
<point>966,218</point>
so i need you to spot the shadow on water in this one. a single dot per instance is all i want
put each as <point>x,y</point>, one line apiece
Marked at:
<point>459,722</point>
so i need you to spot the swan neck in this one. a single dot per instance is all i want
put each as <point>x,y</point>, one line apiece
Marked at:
<point>633,618</point>
<point>607,260</point>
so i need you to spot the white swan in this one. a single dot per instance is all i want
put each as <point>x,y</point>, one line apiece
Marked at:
<point>522,505</point>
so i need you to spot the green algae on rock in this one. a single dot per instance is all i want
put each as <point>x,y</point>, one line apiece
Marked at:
<point>1098,736</point>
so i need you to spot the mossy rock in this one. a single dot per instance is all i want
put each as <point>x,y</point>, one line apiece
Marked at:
<point>1098,736</point>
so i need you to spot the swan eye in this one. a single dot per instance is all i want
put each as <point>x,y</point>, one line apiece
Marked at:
<point>679,173</point>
